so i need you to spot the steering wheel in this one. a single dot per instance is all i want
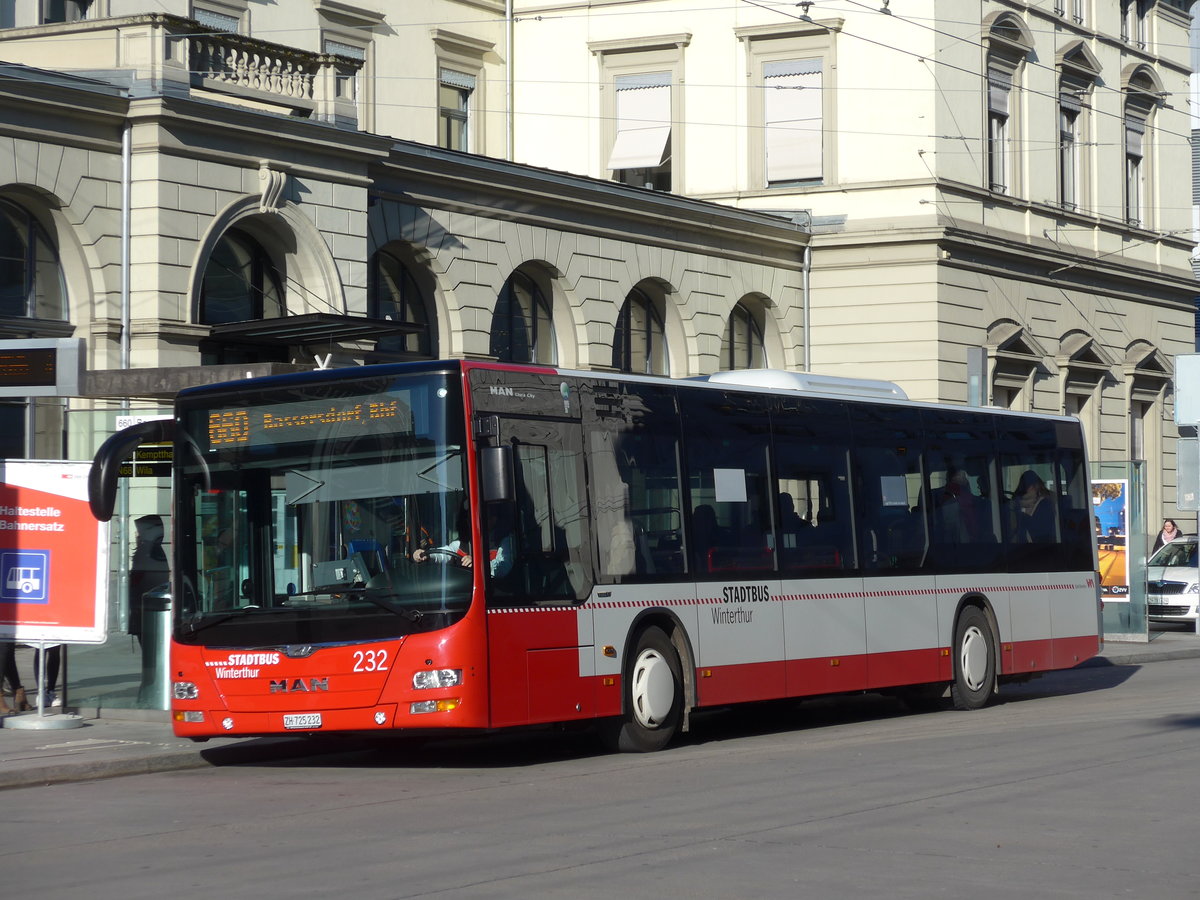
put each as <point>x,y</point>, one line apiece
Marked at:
<point>443,553</point>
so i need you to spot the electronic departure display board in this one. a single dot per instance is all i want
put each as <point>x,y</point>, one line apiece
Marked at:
<point>34,367</point>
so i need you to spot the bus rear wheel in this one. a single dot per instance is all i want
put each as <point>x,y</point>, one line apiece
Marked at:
<point>653,696</point>
<point>974,660</point>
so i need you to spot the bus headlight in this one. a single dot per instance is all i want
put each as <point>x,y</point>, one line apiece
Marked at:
<point>185,690</point>
<point>433,706</point>
<point>436,678</point>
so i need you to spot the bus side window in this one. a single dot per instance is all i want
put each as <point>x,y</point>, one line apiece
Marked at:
<point>634,482</point>
<point>728,480</point>
<point>812,470</point>
<point>889,486</point>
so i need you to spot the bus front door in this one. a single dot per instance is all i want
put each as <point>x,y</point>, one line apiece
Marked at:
<point>539,572</point>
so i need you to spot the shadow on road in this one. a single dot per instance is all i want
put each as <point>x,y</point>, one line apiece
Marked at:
<point>536,747</point>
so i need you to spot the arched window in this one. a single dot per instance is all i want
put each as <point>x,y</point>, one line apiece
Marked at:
<point>240,282</point>
<point>31,279</point>
<point>639,345</point>
<point>522,326</point>
<point>743,346</point>
<point>393,294</point>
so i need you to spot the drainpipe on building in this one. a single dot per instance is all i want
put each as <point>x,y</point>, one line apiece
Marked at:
<point>806,269</point>
<point>509,139</point>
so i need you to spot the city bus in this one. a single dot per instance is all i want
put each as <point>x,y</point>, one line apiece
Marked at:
<point>463,547</point>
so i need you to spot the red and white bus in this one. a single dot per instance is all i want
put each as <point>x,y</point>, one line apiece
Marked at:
<point>455,546</point>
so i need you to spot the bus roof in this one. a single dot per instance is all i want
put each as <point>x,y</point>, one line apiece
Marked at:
<point>828,385</point>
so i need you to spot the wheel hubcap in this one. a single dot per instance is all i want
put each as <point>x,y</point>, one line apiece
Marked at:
<point>974,658</point>
<point>653,689</point>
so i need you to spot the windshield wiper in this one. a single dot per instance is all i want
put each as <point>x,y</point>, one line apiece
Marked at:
<point>195,628</point>
<point>413,615</point>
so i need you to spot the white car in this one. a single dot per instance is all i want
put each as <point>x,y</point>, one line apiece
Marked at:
<point>1172,588</point>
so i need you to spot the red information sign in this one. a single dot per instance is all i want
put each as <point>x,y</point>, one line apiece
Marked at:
<point>53,555</point>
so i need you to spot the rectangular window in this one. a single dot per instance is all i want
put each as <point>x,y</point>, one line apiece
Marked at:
<point>1135,133</point>
<point>1068,155</point>
<point>641,152</point>
<point>792,119</point>
<point>999,82</point>
<point>216,21</point>
<point>454,99</point>
<point>57,11</point>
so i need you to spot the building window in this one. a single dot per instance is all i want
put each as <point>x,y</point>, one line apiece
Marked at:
<point>1135,134</point>
<point>793,121</point>
<point>522,325</point>
<point>641,153</point>
<point>217,21</point>
<point>454,105</point>
<point>641,142</point>
<point>999,100</point>
<point>57,11</point>
<point>1133,21</point>
<point>14,430</point>
<point>1078,71</point>
<point>1068,150</point>
<point>743,346</point>
<point>790,108</point>
<point>1008,44</point>
<point>31,279</point>
<point>240,282</point>
<point>394,296</point>
<point>639,345</point>
<point>1143,93</point>
<point>1068,157</point>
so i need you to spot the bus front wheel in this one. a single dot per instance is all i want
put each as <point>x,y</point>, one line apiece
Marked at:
<point>974,660</point>
<point>653,696</point>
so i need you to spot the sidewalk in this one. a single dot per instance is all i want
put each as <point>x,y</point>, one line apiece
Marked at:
<point>135,742</point>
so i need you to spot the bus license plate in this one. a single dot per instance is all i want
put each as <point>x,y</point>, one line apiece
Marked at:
<point>303,720</point>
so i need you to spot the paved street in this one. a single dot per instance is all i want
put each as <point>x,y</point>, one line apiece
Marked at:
<point>1081,784</point>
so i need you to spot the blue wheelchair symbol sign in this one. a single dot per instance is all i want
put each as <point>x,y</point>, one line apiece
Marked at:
<point>26,576</point>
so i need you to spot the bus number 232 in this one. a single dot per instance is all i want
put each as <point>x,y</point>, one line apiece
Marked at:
<point>370,660</point>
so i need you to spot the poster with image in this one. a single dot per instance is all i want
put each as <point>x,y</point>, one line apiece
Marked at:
<point>1109,510</point>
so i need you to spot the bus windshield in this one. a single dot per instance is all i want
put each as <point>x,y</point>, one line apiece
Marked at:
<point>318,513</point>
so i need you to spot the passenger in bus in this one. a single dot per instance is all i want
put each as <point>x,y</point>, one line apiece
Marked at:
<point>704,536</point>
<point>1032,510</point>
<point>958,511</point>
<point>789,519</point>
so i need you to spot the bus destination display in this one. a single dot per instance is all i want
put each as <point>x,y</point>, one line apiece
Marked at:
<point>283,423</point>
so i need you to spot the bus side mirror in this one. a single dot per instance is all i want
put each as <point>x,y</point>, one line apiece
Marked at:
<point>496,473</point>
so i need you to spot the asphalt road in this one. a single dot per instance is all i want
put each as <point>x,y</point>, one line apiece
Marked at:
<point>1082,784</point>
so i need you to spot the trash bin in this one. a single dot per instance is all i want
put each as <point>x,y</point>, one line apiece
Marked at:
<point>154,692</point>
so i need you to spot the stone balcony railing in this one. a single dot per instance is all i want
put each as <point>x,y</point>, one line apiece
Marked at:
<point>158,53</point>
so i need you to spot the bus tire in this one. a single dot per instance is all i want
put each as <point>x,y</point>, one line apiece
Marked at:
<point>974,660</point>
<point>653,696</point>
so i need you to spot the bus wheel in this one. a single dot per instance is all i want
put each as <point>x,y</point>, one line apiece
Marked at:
<point>974,660</point>
<point>653,696</point>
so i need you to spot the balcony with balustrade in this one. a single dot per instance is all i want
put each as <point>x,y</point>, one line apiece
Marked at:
<point>164,54</point>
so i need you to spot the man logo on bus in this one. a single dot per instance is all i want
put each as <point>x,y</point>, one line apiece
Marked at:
<point>298,685</point>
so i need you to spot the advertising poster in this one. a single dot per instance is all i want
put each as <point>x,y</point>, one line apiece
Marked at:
<point>53,555</point>
<point>1109,508</point>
